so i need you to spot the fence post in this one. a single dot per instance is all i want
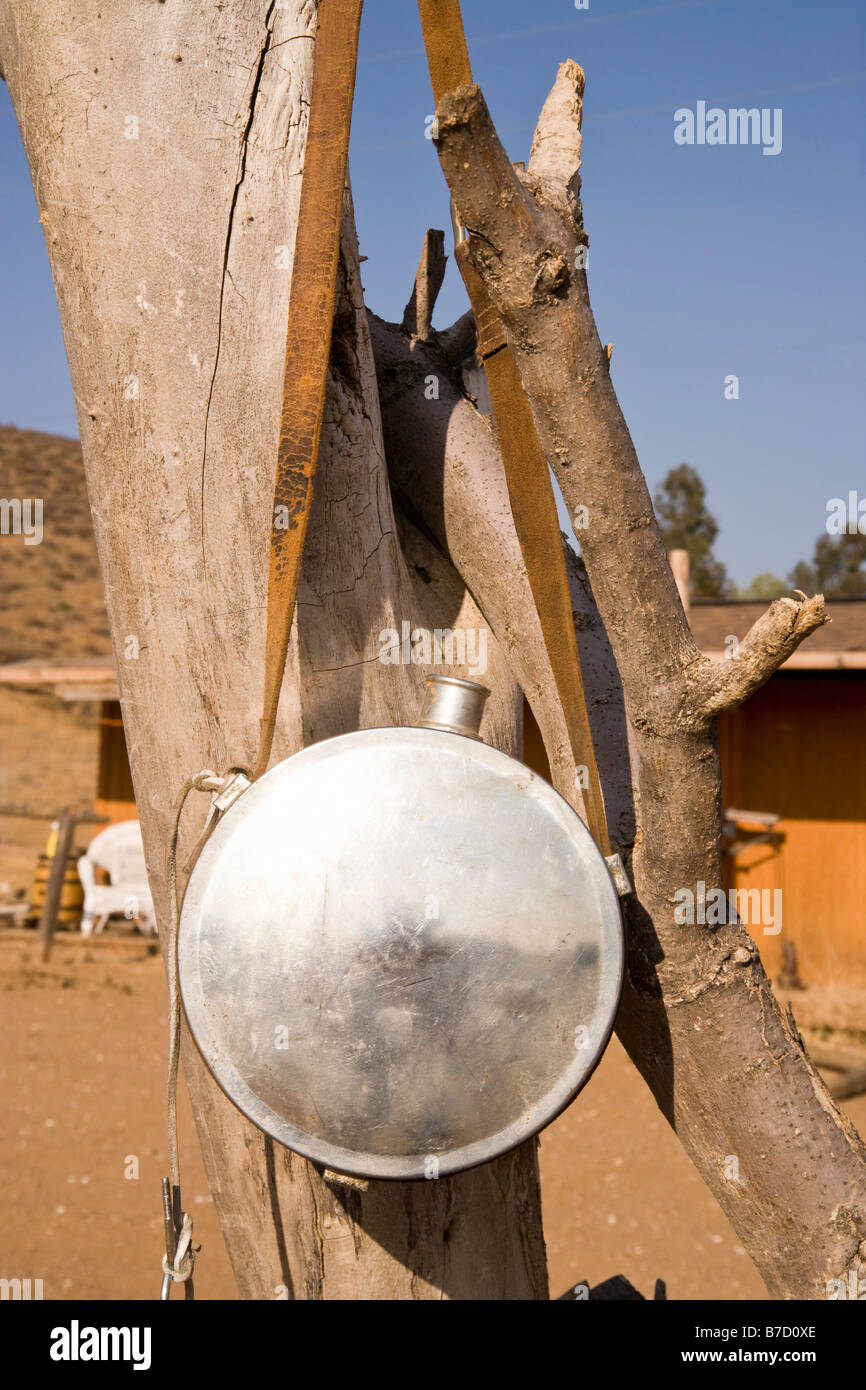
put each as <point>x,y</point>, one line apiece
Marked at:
<point>48,919</point>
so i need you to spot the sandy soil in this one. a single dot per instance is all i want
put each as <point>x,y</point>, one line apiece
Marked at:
<point>82,1150</point>
<point>82,1126</point>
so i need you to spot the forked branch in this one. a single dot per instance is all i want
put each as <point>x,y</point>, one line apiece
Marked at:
<point>721,685</point>
<point>697,1015</point>
<point>528,242</point>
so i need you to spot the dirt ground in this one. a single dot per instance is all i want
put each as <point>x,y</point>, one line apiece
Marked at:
<point>82,1122</point>
<point>83,1149</point>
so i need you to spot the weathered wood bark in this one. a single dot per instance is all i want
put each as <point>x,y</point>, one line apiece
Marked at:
<point>446,471</point>
<point>165,146</point>
<point>165,143</point>
<point>698,1017</point>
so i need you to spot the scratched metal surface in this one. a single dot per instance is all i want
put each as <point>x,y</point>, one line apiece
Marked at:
<point>400,953</point>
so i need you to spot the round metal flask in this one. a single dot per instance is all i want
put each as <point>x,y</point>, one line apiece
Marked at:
<point>400,952</point>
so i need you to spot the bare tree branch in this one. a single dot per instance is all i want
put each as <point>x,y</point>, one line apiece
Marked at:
<point>168,219</point>
<point>698,1015</point>
<point>447,473</point>
<point>418,314</point>
<point>526,241</point>
<point>525,250</point>
<point>721,685</point>
<point>556,146</point>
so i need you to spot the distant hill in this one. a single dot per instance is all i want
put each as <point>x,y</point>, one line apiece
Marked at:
<point>52,606</point>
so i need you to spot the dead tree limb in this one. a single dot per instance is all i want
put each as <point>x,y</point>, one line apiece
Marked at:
<point>721,685</point>
<point>446,471</point>
<point>418,315</point>
<point>165,144</point>
<point>698,1016</point>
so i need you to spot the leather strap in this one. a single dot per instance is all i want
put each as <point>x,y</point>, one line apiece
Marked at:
<point>445,42</point>
<point>308,338</point>
<point>308,341</point>
<point>530,490</point>
<point>533,508</point>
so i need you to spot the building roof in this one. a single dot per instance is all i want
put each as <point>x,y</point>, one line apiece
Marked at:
<point>838,645</point>
<point>82,680</point>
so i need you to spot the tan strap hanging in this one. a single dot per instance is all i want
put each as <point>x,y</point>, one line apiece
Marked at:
<point>308,337</point>
<point>311,311</point>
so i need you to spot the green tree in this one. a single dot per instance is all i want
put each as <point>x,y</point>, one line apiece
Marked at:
<point>763,586</point>
<point>838,568</point>
<point>686,524</point>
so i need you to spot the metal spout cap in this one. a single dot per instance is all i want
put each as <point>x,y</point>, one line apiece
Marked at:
<point>453,705</point>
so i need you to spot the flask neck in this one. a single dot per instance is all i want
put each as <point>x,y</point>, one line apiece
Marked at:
<point>454,706</point>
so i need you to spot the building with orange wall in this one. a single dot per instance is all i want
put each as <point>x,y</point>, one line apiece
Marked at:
<point>794,788</point>
<point>793,777</point>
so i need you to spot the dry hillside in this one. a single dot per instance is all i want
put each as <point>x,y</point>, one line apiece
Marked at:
<point>51,609</point>
<point>52,605</point>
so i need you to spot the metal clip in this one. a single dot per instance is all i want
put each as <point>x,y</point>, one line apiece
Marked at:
<point>618,874</point>
<point>234,788</point>
<point>170,1238</point>
<point>343,1180</point>
<point>172,1228</point>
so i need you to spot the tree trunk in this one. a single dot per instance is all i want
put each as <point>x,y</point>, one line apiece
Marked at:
<point>166,148</point>
<point>165,143</point>
<point>698,1015</point>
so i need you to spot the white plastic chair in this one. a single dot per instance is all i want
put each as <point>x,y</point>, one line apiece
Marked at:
<point>119,851</point>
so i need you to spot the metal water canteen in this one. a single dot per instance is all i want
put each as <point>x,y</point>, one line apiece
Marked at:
<point>400,951</point>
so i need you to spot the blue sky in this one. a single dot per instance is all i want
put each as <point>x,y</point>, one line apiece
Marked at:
<point>705,260</point>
